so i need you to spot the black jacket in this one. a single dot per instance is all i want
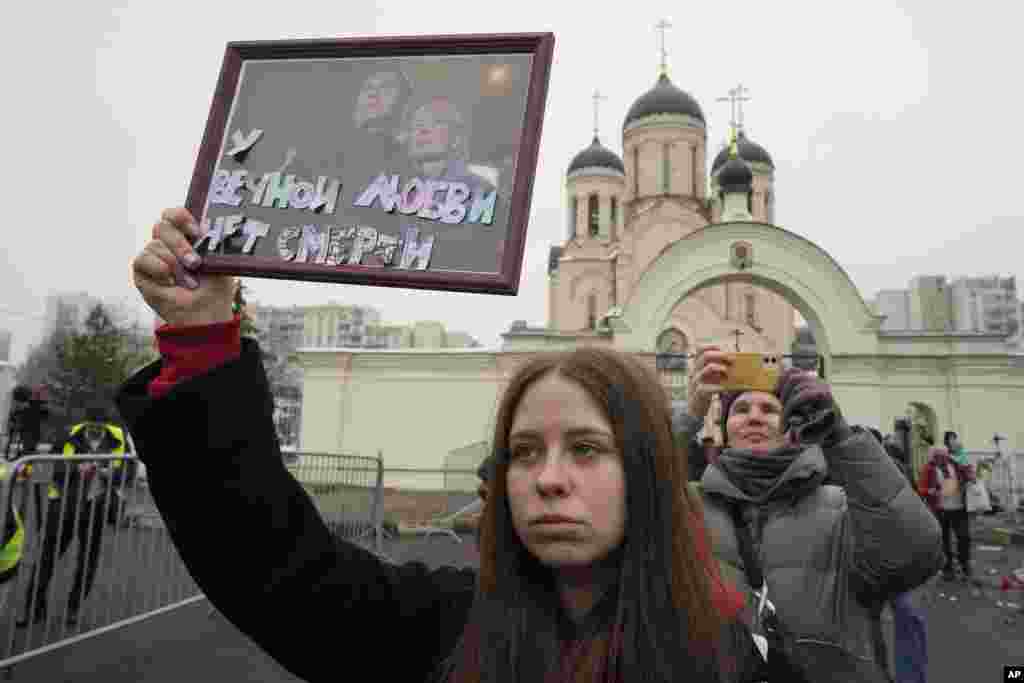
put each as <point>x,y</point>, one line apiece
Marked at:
<point>256,546</point>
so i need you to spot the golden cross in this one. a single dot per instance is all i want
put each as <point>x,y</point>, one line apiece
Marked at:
<point>736,99</point>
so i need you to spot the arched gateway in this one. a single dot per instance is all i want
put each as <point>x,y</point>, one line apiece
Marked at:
<point>760,254</point>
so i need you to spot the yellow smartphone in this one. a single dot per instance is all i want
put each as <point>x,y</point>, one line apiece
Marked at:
<point>753,372</point>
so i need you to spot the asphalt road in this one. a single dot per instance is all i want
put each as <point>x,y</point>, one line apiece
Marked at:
<point>969,637</point>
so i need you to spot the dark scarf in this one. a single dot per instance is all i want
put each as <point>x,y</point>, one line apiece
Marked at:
<point>772,475</point>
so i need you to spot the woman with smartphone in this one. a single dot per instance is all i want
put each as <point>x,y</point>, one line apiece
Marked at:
<point>829,554</point>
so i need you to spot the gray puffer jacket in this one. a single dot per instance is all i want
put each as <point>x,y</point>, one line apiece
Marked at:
<point>833,556</point>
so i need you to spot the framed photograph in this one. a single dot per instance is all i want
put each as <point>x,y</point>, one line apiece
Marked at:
<point>396,162</point>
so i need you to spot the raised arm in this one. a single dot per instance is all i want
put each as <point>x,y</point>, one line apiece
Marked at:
<point>709,370</point>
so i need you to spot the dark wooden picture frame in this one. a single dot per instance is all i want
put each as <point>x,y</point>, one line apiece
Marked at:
<point>220,184</point>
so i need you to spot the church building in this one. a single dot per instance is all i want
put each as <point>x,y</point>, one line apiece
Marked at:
<point>623,213</point>
<point>663,253</point>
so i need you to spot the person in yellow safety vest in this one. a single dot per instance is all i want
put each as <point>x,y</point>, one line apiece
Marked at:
<point>81,498</point>
<point>12,543</point>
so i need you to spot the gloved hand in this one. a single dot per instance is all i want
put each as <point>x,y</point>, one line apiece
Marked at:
<point>809,412</point>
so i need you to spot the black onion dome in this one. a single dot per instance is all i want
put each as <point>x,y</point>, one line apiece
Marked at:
<point>599,156</point>
<point>749,151</point>
<point>663,98</point>
<point>736,176</point>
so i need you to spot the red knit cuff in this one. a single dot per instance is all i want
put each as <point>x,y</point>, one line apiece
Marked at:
<point>724,596</point>
<point>727,599</point>
<point>192,350</point>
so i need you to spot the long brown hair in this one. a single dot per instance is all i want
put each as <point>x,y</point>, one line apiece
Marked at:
<point>666,625</point>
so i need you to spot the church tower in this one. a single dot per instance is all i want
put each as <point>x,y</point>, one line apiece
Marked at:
<point>664,142</point>
<point>735,187</point>
<point>595,184</point>
<point>762,198</point>
<point>595,188</point>
<point>623,213</point>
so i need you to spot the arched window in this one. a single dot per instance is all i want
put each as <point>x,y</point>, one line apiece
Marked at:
<point>593,216</point>
<point>592,311</point>
<point>573,210</point>
<point>693,170</point>
<point>666,167</point>
<point>636,171</point>
<point>672,346</point>
<point>751,300</point>
<point>671,363</point>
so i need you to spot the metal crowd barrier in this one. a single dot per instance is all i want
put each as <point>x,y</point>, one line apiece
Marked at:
<point>347,491</point>
<point>105,531</point>
<point>108,525</point>
<point>425,502</point>
<point>446,525</point>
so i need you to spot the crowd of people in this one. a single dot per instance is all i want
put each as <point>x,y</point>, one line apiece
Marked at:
<point>605,553</point>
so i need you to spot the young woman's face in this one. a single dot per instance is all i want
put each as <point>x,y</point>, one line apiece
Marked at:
<point>755,422</point>
<point>566,485</point>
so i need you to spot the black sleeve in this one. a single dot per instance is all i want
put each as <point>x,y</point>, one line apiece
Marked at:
<point>897,542</point>
<point>257,547</point>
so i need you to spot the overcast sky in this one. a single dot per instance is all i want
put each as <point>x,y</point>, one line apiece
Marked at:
<point>895,132</point>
